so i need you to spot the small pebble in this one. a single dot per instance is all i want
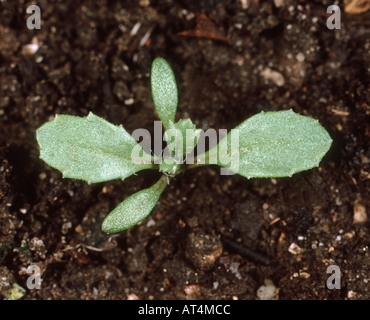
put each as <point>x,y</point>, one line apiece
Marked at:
<point>132,296</point>
<point>300,57</point>
<point>245,4</point>
<point>144,3</point>
<point>31,48</point>
<point>268,291</point>
<point>359,214</point>
<point>150,223</point>
<point>278,3</point>
<point>43,176</point>
<point>192,289</point>
<point>66,226</point>
<point>304,274</point>
<point>275,76</point>
<point>351,294</point>
<point>129,101</point>
<point>295,249</point>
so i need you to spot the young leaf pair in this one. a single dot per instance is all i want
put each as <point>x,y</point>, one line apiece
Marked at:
<point>270,144</point>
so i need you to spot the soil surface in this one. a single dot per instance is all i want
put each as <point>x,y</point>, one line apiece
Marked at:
<point>210,236</point>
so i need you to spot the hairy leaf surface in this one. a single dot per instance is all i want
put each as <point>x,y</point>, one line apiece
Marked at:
<point>164,91</point>
<point>135,208</point>
<point>273,144</point>
<point>89,148</point>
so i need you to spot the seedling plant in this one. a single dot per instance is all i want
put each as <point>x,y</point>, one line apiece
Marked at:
<point>268,144</point>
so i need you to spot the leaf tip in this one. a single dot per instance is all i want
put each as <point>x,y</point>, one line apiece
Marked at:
<point>107,226</point>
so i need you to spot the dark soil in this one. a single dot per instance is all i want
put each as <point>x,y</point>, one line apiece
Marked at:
<point>210,236</point>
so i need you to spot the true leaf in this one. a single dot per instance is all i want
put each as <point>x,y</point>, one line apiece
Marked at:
<point>89,148</point>
<point>135,208</point>
<point>181,137</point>
<point>164,91</point>
<point>273,144</point>
<point>189,133</point>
